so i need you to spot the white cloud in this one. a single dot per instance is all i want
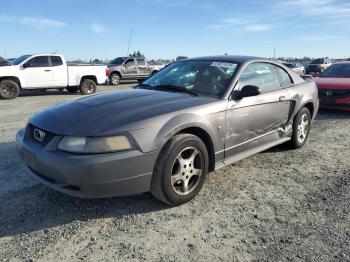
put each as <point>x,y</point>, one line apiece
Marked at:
<point>247,25</point>
<point>98,28</point>
<point>319,38</point>
<point>257,28</point>
<point>325,9</point>
<point>33,22</point>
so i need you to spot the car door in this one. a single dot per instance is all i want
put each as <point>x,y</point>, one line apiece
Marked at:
<point>59,71</point>
<point>130,68</point>
<point>257,120</point>
<point>37,72</point>
<point>142,67</point>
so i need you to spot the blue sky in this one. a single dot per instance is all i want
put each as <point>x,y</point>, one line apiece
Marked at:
<point>168,28</point>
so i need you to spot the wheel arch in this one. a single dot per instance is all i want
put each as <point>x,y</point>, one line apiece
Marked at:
<point>116,72</point>
<point>12,78</point>
<point>310,106</point>
<point>205,137</point>
<point>89,77</point>
<point>190,124</point>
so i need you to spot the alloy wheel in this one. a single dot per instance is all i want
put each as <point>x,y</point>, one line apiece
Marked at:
<point>303,128</point>
<point>187,170</point>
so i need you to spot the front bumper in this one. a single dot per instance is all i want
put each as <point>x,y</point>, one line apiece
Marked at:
<point>335,99</point>
<point>87,176</point>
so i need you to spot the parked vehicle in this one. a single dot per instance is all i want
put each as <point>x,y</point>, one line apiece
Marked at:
<point>164,136</point>
<point>334,86</point>
<point>296,67</point>
<point>131,68</point>
<point>317,66</point>
<point>4,62</point>
<point>49,71</point>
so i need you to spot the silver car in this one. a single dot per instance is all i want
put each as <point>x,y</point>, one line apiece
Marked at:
<point>165,135</point>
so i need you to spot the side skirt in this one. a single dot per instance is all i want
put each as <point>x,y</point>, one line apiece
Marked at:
<point>249,153</point>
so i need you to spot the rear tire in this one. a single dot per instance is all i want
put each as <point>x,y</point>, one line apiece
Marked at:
<point>301,129</point>
<point>87,87</point>
<point>9,89</point>
<point>181,170</point>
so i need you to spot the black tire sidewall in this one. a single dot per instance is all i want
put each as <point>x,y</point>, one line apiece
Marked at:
<point>295,141</point>
<point>83,87</point>
<point>14,84</point>
<point>169,192</point>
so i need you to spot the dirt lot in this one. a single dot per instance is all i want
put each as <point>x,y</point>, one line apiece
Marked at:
<point>279,205</point>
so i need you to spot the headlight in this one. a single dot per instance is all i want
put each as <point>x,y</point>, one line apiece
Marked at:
<point>94,145</point>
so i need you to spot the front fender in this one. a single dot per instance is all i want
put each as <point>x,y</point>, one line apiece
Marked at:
<point>184,121</point>
<point>154,137</point>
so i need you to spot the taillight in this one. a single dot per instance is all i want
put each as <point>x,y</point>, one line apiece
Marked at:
<point>107,71</point>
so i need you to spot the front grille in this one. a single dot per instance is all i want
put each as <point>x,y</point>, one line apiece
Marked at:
<point>33,132</point>
<point>333,93</point>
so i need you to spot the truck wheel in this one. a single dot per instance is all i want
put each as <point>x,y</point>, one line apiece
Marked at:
<point>87,87</point>
<point>9,89</point>
<point>115,79</point>
<point>72,89</point>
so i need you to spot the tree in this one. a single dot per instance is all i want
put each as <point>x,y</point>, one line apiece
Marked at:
<point>137,54</point>
<point>179,58</point>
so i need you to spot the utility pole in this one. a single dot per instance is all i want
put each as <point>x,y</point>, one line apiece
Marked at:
<point>130,36</point>
<point>274,54</point>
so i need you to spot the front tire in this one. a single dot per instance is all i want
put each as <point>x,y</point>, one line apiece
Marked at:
<point>87,87</point>
<point>181,170</point>
<point>9,89</point>
<point>301,128</point>
<point>115,79</point>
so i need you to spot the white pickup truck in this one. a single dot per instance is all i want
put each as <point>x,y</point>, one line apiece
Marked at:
<point>49,71</point>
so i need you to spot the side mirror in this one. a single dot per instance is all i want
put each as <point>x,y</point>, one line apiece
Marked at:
<point>26,65</point>
<point>247,91</point>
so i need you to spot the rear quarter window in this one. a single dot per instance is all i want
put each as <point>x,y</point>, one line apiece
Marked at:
<point>56,61</point>
<point>285,78</point>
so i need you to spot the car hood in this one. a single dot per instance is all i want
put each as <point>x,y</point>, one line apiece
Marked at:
<point>332,83</point>
<point>113,112</point>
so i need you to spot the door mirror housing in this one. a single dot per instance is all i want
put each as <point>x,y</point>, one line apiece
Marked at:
<point>26,65</point>
<point>247,91</point>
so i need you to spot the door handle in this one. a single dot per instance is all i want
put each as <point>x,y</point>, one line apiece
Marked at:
<point>282,98</point>
<point>48,70</point>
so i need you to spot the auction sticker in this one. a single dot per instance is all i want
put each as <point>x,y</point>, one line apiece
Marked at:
<point>223,64</point>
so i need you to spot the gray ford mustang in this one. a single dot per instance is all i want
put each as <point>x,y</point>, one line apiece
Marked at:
<point>165,135</point>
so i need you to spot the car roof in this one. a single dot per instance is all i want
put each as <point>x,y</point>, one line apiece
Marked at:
<point>230,58</point>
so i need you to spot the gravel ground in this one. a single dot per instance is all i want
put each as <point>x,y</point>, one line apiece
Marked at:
<point>278,205</point>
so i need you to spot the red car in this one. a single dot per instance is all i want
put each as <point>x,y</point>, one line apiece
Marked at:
<point>334,86</point>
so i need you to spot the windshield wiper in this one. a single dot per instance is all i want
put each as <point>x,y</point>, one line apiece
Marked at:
<point>175,88</point>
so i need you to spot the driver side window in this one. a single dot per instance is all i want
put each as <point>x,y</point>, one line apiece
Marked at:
<point>39,61</point>
<point>262,75</point>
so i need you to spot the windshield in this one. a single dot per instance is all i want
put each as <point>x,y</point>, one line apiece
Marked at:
<point>207,78</point>
<point>118,61</point>
<point>337,70</point>
<point>3,62</point>
<point>317,61</point>
<point>20,59</point>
